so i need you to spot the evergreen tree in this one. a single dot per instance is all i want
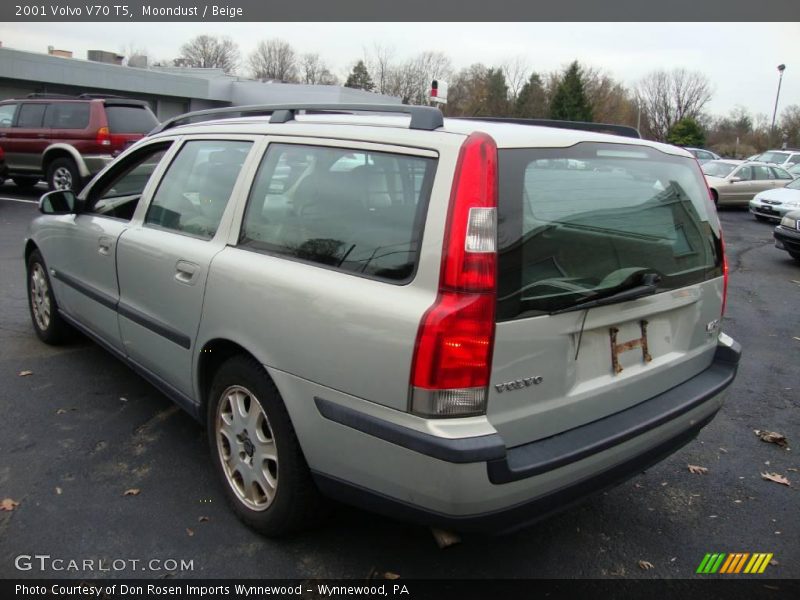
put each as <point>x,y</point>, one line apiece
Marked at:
<point>570,103</point>
<point>532,100</point>
<point>687,132</point>
<point>359,78</point>
<point>496,100</point>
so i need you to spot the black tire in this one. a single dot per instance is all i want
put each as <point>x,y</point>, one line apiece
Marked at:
<point>762,219</point>
<point>63,174</point>
<point>53,329</point>
<point>25,182</point>
<point>795,255</point>
<point>715,197</point>
<point>296,503</point>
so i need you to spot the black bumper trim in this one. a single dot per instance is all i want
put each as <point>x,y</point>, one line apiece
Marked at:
<point>461,450</point>
<point>789,238</point>
<point>576,444</point>
<point>514,517</point>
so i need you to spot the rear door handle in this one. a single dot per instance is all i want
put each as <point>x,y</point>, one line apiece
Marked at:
<point>104,245</point>
<point>186,272</point>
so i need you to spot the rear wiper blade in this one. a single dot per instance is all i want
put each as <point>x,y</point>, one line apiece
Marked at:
<point>648,287</point>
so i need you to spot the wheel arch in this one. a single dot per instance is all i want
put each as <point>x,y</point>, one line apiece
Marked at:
<point>55,151</point>
<point>209,359</point>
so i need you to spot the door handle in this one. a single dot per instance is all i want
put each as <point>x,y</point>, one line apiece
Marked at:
<point>104,245</point>
<point>186,272</point>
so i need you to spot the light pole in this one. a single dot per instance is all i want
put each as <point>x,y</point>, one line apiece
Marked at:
<point>781,69</point>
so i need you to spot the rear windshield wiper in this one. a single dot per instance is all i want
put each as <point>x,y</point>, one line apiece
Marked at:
<point>645,286</point>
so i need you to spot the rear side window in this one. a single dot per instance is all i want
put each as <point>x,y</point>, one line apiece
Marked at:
<point>31,116</point>
<point>780,173</point>
<point>68,115</point>
<point>196,188</point>
<point>581,222</point>
<point>7,112</point>
<point>130,119</point>
<point>354,210</point>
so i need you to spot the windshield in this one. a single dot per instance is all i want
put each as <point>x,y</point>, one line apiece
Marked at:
<point>718,169</point>
<point>794,185</point>
<point>130,119</point>
<point>774,157</point>
<point>624,216</point>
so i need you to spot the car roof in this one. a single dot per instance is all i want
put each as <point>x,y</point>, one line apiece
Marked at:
<point>505,135</point>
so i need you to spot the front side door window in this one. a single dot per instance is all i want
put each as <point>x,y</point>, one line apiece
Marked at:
<point>118,192</point>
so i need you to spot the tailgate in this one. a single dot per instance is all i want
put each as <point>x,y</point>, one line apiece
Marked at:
<point>539,388</point>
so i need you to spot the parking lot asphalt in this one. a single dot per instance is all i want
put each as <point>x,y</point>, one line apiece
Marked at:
<point>82,429</point>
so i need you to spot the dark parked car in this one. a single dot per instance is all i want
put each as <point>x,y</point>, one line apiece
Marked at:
<point>3,167</point>
<point>787,234</point>
<point>66,140</point>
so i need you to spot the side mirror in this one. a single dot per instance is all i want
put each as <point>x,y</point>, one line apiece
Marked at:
<point>734,179</point>
<point>58,202</point>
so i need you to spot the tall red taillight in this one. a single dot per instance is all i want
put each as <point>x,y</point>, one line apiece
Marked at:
<point>453,354</point>
<point>724,274</point>
<point>103,137</point>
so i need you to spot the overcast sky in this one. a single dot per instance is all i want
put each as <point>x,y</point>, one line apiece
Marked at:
<point>740,59</point>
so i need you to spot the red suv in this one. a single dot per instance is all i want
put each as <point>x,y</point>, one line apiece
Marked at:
<point>68,139</point>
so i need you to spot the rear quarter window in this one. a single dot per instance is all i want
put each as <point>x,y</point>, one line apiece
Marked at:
<point>357,211</point>
<point>130,119</point>
<point>31,116</point>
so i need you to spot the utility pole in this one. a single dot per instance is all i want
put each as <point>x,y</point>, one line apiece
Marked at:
<point>781,69</point>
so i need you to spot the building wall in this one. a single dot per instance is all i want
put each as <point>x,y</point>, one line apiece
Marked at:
<point>170,91</point>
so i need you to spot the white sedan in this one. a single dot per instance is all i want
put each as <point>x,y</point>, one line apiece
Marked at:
<point>772,205</point>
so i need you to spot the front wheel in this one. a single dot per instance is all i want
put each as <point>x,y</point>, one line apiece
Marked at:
<point>795,255</point>
<point>50,327</point>
<point>256,453</point>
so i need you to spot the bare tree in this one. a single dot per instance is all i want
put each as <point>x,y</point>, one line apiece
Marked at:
<point>611,101</point>
<point>379,61</point>
<point>313,70</point>
<point>666,97</point>
<point>411,80</point>
<point>274,59</point>
<point>208,51</point>
<point>516,71</point>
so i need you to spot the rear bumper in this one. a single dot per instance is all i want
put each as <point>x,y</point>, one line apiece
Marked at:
<point>517,486</point>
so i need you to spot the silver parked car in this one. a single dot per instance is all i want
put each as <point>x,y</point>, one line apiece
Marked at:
<point>436,319</point>
<point>736,182</point>
<point>702,155</point>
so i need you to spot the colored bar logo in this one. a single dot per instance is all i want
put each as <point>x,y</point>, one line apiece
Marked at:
<point>737,562</point>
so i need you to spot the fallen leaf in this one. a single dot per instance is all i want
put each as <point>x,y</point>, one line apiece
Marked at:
<point>58,490</point>
<point>791,469</point>
<point>390,575</point>
<point>645,565</point>
<point>796,338</point>
<point>203,519</point>
<point>8,504</point>
<point>190,532</point>
<point>776,478</point>
<point>445,538</point>
<point>123,399</point>
<point>132,492</point>
<point>697,470</point>
<point>25,373</point>
<point>723,450</point>
<point>772,437</point>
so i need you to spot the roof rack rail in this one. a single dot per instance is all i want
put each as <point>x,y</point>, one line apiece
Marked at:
<point>45,95</point>
<point>422,117</point>
<point>98,96</point>
<point>622,130</point>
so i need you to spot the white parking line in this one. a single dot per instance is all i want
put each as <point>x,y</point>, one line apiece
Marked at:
<point>20,200</point>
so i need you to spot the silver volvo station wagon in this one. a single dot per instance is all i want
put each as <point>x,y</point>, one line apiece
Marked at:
<point>461,322</point>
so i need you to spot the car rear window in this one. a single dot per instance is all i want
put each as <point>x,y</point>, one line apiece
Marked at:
<point>68,115</point>
<point>575,222</point>
<point>354,210</point>
<point>718,169</point>
<point>130,119</point>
